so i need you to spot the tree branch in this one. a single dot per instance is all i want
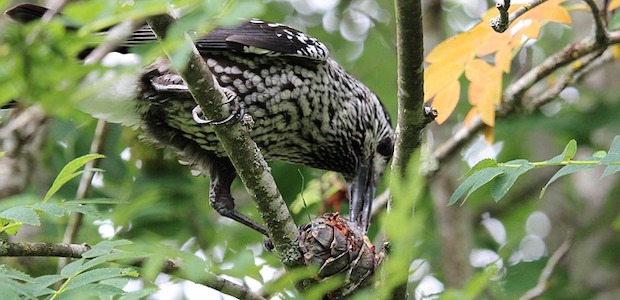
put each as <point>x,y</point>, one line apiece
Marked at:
<point>411,113</point>
<point>243,153</point>
<point>546,273</point>
<point>513,95</point>
<point>503,20</point>
<point>213,281</point>
<point>600,32</point>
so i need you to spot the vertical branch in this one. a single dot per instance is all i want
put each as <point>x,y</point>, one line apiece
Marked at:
<point>411,115</point>
<point>411,119</point>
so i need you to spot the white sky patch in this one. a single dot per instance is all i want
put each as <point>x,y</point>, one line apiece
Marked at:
<point>480,149</point>
<point>126,154</point>
<point>97,180</point>
<point>106,228</point>
<point>532,248</point>
<point>418,269</point>
<point>495,228</point>
<point>480,258</point>
<point>428,287</point>
<point>538,224</point>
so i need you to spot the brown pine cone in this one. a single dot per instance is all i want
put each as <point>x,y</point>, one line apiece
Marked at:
<point>338,246</point>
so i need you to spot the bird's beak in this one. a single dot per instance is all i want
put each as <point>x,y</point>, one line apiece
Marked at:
<point>362,192</point>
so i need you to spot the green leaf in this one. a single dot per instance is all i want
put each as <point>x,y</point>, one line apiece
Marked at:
<point>474,182</point>
<point>92,291</point>
<point>566,170</point>
<point>569,152</point>
<point>21,214</point>
<point>468,183</point>
<point>104,247</point>
<point>612,158</point>
<point>483,164</point>
<point>50,208</point>
<point>69,172</point>
<point>40,285</point>
<point>2,153</point>
<point>140,294</point>
<point>98,275</point>
<point>83,209</point>
<point>503,183</point>
<point>72,268</point>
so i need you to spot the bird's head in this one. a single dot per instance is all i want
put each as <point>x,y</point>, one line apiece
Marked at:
<point>376,152</point>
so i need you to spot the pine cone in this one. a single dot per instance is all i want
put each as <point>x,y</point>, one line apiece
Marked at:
<point>338,246</point>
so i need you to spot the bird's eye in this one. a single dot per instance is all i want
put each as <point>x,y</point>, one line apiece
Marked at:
<point>385,147</point>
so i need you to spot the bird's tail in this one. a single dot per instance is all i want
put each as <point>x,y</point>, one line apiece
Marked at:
<point>26,13</point>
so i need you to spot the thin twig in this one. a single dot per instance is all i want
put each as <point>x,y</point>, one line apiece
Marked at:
<point>569,77</point>
<point>500,23</point>
<point>27,249</point>
<point>546,273</point>
<point>114,38</point>
<point>503,21</point>
<point>75,220</point>
<point>599,26</point>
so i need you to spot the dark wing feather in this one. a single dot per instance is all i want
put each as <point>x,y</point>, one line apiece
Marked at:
<point>260,37</point>
<point>25,13</point>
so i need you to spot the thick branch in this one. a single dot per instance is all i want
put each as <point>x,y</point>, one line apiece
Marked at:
<point>514,93</point>
<point>411,118</point>
<point>411,114</point>
<point>503,20</point>
<point>24,249</point>
<point>243,152</point>
<point>42,249</point>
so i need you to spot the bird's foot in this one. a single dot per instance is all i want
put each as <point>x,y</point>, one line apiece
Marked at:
<point>241,218</point>
<point>237,110</point>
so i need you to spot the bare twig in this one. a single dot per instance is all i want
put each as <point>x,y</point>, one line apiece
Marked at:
<point>42,249</point>
<point>25,249</point>
<point>599,26</point>
<point>114,38</point>
<point>503,20</point>
<point>568,78</point>
<point>243,153</point>
<point>546,273</point>
<point>500,23</point>
<point>75,220</point>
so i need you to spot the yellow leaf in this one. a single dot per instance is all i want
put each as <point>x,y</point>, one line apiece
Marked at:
<point>473,112</point>
<point>493,43</point>
<point>549,11</point>
<point>503,59</point>
<point>438,75</point>
<point>489,135</point>
<point>533,30</point>
<point>459,48</point>
<point>613,5</point>
<point>484,88</point>
<point>615,52</point>
<point>478,70</point>
<point>446,101</point>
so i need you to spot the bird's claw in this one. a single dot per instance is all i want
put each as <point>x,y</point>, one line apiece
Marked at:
<point>199,117</point>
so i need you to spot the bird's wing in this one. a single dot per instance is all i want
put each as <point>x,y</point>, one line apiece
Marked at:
<point>261,37</point>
